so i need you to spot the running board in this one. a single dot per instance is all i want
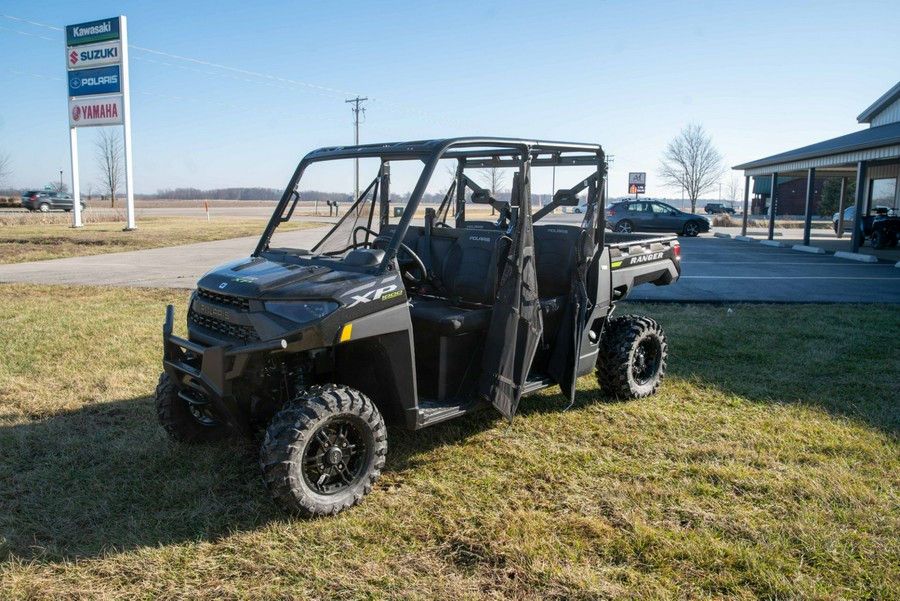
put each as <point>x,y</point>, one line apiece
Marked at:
<point>434,412</point>
<point>535,383</point>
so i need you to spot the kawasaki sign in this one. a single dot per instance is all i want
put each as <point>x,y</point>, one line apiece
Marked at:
<point>95,31</point>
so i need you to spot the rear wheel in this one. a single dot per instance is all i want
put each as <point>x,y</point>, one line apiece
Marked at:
<point>44,208</point>
<point>879,240</point>
<point>323,451</point>
<point>186,421</point>
<point>624,227</point>
<point>691,228</point>
<point>632,359</point>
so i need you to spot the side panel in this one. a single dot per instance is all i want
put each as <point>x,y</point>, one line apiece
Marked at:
<point>375,355</point>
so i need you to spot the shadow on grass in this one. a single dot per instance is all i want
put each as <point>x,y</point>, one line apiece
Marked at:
<point>106,479</point>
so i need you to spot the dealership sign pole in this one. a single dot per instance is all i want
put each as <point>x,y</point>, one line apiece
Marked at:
<point>97,63</point>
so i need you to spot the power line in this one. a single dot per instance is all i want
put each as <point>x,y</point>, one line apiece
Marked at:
<point>322,90</point>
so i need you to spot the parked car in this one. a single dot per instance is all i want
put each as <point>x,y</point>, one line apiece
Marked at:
<point>48,200</point>
<point>582,208</point>
<point>850,216</point>
<point>712,208</point>
<point>654,216</point>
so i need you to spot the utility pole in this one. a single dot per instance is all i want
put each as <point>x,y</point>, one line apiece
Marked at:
<point>356,110</point>
<point>610,159</point>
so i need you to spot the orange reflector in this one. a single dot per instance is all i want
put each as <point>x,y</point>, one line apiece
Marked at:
<point>346,332</point>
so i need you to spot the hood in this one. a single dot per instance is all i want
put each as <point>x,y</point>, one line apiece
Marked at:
<point>256,277</point>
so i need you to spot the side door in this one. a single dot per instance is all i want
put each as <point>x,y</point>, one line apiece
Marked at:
<point>641,216</point>
<point>665,218</point>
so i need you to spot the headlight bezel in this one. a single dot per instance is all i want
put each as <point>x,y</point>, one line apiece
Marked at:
<point>301,312</point>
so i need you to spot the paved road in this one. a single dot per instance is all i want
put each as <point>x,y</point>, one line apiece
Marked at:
<point>173,267</point>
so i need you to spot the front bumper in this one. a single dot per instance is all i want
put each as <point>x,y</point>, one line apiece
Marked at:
<point>210,371</point>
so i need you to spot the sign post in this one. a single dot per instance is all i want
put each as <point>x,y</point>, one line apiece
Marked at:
<point>97,63</point>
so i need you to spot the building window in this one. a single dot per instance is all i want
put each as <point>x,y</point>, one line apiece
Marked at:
<point>883,193</point>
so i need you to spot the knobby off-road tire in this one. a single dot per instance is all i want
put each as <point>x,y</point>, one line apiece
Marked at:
<point>632,359</point>
<point>175,415</point>
<point>323,451</point>
<point>879,239</point>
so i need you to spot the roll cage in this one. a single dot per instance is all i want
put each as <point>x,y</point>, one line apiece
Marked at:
<point>470,153</point>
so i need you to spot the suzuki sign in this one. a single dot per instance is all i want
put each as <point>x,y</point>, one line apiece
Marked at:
<point>97,55</point>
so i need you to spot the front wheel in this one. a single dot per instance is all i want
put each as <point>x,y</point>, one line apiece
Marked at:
<point>632,359</point>
<point>44,208</point>
<point>323,451</point>
<point>691,229</point>
<point>879,240</point>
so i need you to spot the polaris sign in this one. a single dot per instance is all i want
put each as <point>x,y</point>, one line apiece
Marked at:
<point>97,55</point>
<point>95,31</point>
<point>102,80</point>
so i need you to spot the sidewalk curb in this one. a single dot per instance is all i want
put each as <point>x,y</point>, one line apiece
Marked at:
<point>721,235</point>
<point>774,243</point>
<point>745,239</point>
<point>809,249</point>
<point>858,257</point>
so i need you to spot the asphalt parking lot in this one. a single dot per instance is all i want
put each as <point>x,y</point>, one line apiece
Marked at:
<point>729,270</point>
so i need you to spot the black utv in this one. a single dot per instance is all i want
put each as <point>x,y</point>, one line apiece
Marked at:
<point>415,308</point>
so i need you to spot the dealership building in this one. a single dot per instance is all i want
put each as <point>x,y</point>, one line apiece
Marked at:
<point>871,156</point>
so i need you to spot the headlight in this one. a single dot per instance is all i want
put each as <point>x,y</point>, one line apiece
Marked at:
<point>301,311</point>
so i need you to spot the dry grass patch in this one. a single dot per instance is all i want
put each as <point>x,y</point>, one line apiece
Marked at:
<point>38,237</point>
<point>768,466</point>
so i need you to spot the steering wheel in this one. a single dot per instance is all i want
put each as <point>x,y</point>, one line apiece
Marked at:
<point>412,255</point>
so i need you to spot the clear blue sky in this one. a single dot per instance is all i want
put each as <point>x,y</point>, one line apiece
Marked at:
<point>761,77</point>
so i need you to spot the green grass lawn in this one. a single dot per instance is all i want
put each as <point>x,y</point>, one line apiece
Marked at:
<point>38,237</point>
<point>767,466</point>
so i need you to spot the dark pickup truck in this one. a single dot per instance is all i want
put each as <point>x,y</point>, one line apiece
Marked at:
<point>412,316</point>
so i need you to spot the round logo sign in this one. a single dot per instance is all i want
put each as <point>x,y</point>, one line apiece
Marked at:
<point>75,82</point>
<point>76,113</point>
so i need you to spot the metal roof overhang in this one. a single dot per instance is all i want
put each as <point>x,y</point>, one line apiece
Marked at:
<point>835,157</point>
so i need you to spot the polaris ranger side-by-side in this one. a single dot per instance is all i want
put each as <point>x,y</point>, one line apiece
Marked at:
<point>409,313</point>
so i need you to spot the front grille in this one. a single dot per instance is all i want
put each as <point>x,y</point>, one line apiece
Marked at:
<point>235,302</point>
<point>229,330</point>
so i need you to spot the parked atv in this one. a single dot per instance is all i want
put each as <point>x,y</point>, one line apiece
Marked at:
<point>410,316</point>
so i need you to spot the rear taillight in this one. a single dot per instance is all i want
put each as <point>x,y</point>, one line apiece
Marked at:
<point>677,250</point>
<point>610,213</point>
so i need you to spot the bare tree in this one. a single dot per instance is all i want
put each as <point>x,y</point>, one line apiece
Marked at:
<point>110,155</point>
<point>5,168</point>
<point>692,163</point>
<point>735,190</point>
<point>493,178</point>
